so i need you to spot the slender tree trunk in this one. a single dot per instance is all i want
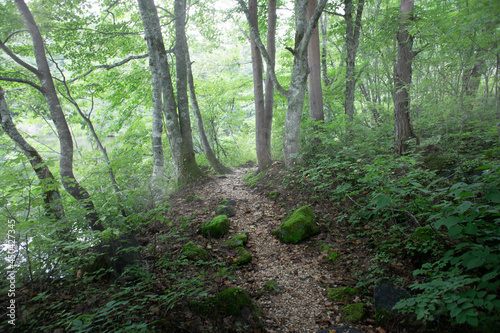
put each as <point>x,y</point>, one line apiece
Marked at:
<point>157,129</point>
<point>268,85</point>
<point>71,185</point>
<point>52,197</point>
<point>324,67</point>
<point>313,56</point>
<point>352,41</point>
<point>263,155</point>
<point>403,129</point>
<point>209,153</point>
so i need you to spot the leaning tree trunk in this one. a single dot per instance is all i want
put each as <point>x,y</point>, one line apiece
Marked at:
<point>403,129</point>
<point>209,153</point>
<point>52,197</point>
<point>313,56</point>
<point>71,185</point>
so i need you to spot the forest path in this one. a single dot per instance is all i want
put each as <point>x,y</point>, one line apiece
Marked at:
<point>299,304</point>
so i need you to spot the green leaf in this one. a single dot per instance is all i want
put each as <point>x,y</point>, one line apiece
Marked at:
<point>448,222</point>
<point>493,197</point>
<point>382,200</point>
<point>455,231</point>
<point>463,207</point>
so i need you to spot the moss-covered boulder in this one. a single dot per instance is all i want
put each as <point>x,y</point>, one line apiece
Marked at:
<point>244,256</point>
<point>340,293</point>
<point>273,195</point>
<point>299,226</point>
<point>353,313</point>
<point>233,301</point>
<point>194,252</point>
<point>238,240</point>
<point>225,210</point>
<point>216,228</point>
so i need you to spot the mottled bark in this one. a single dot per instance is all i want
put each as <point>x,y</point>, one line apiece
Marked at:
<point>185,166</point>
<point>209,153</point>
<point>314,61</point>
<point>71,185</point>
<point>52,197</point>
<point>296,93</point>
<point>403,129</point>
<point>263,156</point>
<point>352,41</point>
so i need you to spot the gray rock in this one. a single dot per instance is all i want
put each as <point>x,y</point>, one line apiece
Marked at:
<point>231,202</point>
<point>225,210</point>
<point>386,295</point>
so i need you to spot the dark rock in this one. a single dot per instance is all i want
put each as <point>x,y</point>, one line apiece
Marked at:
<point>225,210</point>
<point>340,330</point>
<point>231,202</point>
<point>386,295</point>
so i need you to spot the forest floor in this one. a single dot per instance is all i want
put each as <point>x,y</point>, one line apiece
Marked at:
<point>302,272</point>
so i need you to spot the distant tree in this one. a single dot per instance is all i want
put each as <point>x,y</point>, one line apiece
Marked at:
<point>186,169</point>
<point>295,95</point>
<point>403,128</point>
<point>314,60</point>
<point>353,26</point>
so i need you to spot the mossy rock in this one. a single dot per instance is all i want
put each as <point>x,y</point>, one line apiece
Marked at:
<point>340,293</point>
<point>225,210</point>
<point>299,226</point>
<point>273,195</point>
<point>238,240</point>
<point>194,252</point>
<point>189,198</point>
<point>439,161</point>
<point>252,177</point>
<point>216,228</point>
<point>244,256</point>
<point>229,302</point>
<point>353,313</point>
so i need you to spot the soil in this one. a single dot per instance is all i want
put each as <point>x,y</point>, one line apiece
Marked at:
<point>302,272</point>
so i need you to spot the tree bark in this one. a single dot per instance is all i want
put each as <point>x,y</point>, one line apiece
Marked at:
<point>185,167</point>
<point>209,153</point>
<point>296,93</point>
<point>263,154</point>
<point>352,41</point>
<point>314,60</point>
<point>403,129</point>
<point>52,197</point>
<point>71,185</point>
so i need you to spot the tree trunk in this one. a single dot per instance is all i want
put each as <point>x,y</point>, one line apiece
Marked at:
<point>52,197</point>
<point>403,129</point>
<point>209,153</point>
<point>65,141</point>
<point>296,93</point>
<point>314,60</point>
<point>263,154</point>
<point>352,41</point>
<point>185,166</point>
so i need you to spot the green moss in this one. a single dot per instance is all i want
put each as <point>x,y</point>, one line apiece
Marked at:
<point>189,198</point>
<point>252,177</point>
<point>238,240</point>
<point>439,161</point>
<point>423,234</point>
<point>340,293</point>
<point>271,286</point>
<point>299,226</point>
<point>228,302</point>
<point>216,228</point>
<point>244,256</point>
<point>353,313</point>
<point>194,252</point>
<point>273,195</point>
<point>383,317</point>
<point>224,210</point>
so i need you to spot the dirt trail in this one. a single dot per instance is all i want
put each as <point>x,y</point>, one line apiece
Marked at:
<point>300,304</point>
